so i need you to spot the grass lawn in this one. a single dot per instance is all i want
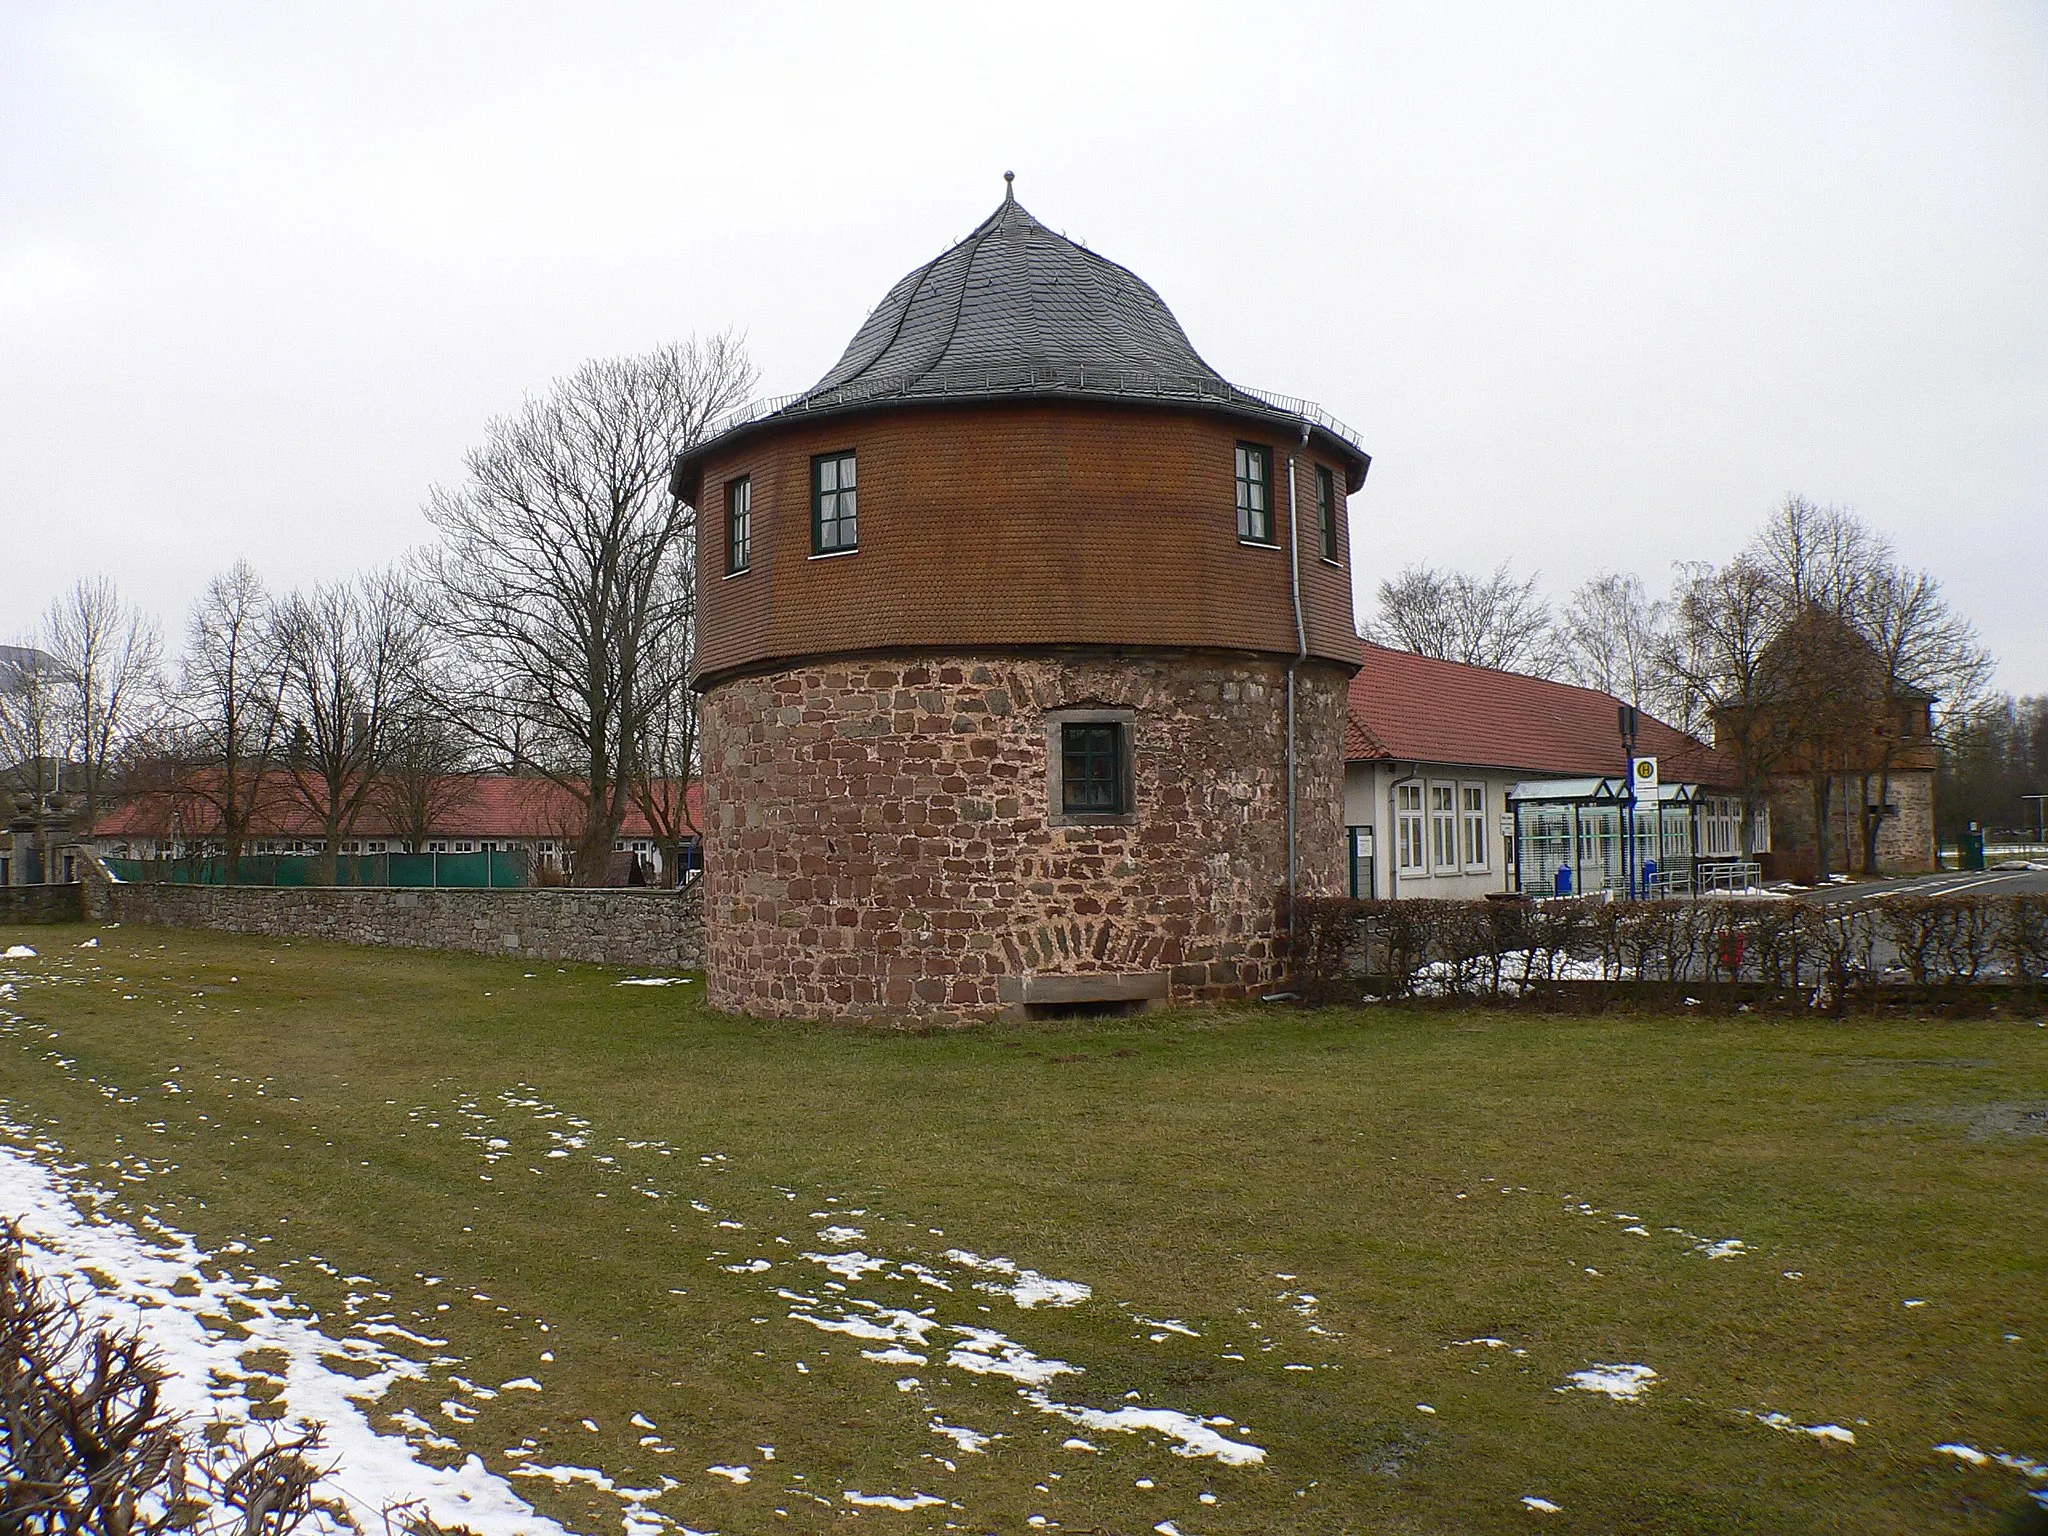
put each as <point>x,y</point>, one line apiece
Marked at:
<point>1373,1245</point>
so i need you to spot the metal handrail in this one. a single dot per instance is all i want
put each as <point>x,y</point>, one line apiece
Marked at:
<point>1031,378</point>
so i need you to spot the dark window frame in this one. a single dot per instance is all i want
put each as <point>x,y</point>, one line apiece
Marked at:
<point>739,525</point>
<point>1255,513</point>
<point>1114,800</point>
<point>844,523</point>
<point>1326,513</point>
<point>1092,768</point>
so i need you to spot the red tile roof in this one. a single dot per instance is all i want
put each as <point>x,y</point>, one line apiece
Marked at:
<point>474,805</point>
<point>1416,708</point>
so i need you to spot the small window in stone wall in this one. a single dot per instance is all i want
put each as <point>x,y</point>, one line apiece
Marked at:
<point>1089,768</point>
<point>1092,775</point>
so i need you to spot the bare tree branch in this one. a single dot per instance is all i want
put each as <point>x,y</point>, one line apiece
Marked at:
<point>563,577</point>
<point>1493,622</point>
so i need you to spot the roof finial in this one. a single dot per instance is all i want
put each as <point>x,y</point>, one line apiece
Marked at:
<point>1009,186</point>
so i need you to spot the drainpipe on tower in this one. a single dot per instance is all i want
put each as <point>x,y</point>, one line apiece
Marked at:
<point>1300,655</point>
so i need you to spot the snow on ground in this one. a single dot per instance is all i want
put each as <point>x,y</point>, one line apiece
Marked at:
<point>190,1306</point>
<point>1792,1426</point>
<point>1623,1383</point>
<point>1026,1287</point>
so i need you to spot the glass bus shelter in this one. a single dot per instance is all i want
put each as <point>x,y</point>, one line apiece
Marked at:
<point>1568,837</point>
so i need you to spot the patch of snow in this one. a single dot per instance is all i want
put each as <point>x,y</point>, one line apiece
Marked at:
<point>19,952</point>
<point>851,1265</point>
<point>739,1475</point>
<point>985,1352</point>
<point>888,1500</point>
<point>1790,1425</point>
<point>1623,1383</point>
<point>841,1236</point>
<point>1541,1506</point>
<point>1026,1287</point>
<point>653,981</point>
<point>972,1441</point>
<point>1191,1437</point>
<point>1969,1453</point>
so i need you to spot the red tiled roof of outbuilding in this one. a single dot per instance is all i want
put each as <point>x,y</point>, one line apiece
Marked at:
<point>1416,708</point>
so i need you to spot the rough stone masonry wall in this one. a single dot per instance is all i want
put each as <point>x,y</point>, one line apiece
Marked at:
<point>40,904</point>
<point>636,928</point>
<point>1905,842</point>
<point>879,839</point>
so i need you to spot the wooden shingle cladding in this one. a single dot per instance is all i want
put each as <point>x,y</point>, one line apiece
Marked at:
<point>1021,524</point>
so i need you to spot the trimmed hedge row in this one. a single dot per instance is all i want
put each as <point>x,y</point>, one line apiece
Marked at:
<point>1499,949</point>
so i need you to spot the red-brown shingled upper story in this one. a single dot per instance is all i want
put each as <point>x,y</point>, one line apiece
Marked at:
<point>1017,524</point>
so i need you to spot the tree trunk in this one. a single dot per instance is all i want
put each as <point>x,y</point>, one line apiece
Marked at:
<point>1823,833</point>
<point>1873,826</point>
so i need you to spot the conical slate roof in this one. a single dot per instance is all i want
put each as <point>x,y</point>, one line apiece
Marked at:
<point>1011,302</point>
<point>1018,310</point>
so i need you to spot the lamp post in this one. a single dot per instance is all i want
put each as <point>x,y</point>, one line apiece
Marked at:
<point>1627,719</point>
<point>2041,810</point>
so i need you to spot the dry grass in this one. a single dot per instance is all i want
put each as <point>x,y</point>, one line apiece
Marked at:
<point>1418,1173</point>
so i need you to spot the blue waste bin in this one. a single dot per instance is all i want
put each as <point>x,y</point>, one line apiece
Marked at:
<point>1564,879</point>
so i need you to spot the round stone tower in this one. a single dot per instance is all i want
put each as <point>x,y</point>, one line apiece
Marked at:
<point>1023,644</point>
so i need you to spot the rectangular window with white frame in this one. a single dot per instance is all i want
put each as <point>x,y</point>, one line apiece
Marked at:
<point>1443,828</point>
<point>1410,848</point>
<point>739,525</point>
<point>1472,848</point>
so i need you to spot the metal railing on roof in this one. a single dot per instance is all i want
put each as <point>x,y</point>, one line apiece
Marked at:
<point>1034,379</point>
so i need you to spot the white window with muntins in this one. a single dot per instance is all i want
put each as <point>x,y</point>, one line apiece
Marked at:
<point>1443,828</point>
<point>1411,857</point>
<point>1472,828</point>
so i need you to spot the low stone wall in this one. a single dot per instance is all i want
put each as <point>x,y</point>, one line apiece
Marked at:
<point>41,904</point>
<point>614,927</point>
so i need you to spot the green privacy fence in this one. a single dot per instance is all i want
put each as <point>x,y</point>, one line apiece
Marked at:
<point>495,869</point>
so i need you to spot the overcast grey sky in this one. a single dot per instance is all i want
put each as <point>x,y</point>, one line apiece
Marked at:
<point>1597,285</point>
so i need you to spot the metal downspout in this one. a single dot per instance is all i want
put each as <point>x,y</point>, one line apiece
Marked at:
<point>1300,655</point>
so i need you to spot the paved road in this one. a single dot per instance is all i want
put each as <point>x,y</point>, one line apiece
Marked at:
<point>1996,881</point>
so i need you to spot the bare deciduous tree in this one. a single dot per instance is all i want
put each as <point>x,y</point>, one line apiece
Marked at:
<point>1713,661</point>
<point>111,657</point>
<point>1921,647</point>
<point>560,577</point>
<point>1817,556</point>
<point>1609,637</point>
<point>33,711</point>
<point>665,757</point>
<point>348,653</point>
<point>425,777</point>
<point>1813,650</point>
<point>229,710</point>
<point>1494,621</point>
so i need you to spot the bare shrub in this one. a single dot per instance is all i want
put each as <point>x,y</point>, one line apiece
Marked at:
<point>88,1447</point>
<point>2023,938</point>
